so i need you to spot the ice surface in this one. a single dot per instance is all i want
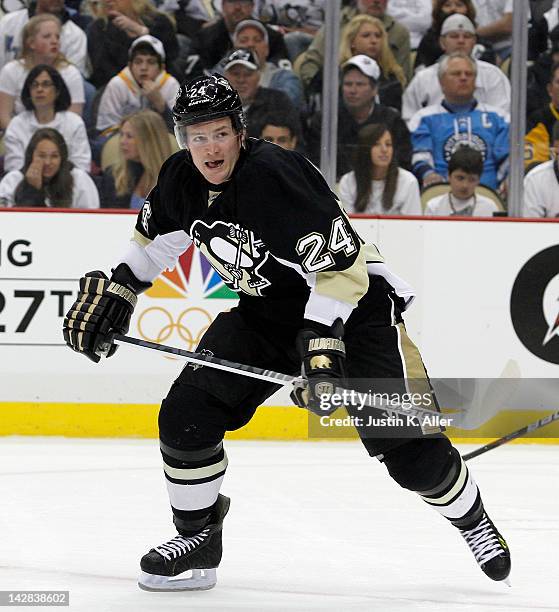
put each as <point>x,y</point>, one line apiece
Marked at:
<point>312,526</point>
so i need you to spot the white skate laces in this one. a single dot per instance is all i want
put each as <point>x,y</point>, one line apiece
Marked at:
<point>181,545</point>
<point>484,542</point>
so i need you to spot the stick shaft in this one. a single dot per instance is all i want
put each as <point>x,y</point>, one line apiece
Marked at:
<point>267,375</point>
<point>513,435</point>
<point>210,361</point>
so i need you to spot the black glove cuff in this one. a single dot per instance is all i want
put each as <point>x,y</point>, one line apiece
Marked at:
<point>319,328</point>
<point>124,276</point>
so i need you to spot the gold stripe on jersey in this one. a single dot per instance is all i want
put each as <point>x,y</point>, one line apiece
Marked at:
<point>416,376</point>
<point>140,239</point>
<point>348,285</point>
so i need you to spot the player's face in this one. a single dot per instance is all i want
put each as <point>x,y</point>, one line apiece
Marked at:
<point>458,82</point>
<point>367,41</point>
<point>357,90</point>
<point>48,154</point>
<point>244,80</point>
<point>454,6</point>
<point>215,149</point>
<point>46,42</point>
<point>382,152</point>
<point>43,92</point>
<point>280,136</point>
<point>253,39</point>
<point>144,67</point>
<point>553,89</point>
<point>463,184</point>
<point>128,144</point>
<point>458,41</point>
<point>375,8</point>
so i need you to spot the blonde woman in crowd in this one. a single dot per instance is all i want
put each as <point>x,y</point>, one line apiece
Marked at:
<point>40,45</point>
<point>376,185</point>
<point>144,146</point>
<point>366,35</point>
<point>48,178</point>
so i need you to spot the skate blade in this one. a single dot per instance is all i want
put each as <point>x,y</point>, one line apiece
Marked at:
<point>191,580</point>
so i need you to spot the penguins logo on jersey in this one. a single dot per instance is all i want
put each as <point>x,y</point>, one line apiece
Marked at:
<point>146,215</point>
<point>462,139</point>
<point>234,253</point>
<point>534,304</point>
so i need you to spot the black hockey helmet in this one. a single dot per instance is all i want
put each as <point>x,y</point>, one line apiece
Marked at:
<point>204,99</point>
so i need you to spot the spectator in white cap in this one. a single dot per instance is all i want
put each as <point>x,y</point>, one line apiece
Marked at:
<point>142,84</point>
<point>458,35</point>
<point>242,69</point>
<point>251,34</point>
<point>214,41</point>
<point>429,49</point>
<point>358,107</point>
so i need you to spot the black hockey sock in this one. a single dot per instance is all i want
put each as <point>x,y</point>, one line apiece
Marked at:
<point>193,479</point>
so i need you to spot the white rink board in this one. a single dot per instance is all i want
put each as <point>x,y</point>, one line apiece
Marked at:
<point>463,273</point>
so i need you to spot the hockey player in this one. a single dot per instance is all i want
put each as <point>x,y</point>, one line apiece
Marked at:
<point>267,221</point>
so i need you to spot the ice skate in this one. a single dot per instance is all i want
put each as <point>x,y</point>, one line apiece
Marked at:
<point>186,563</point>
<point>489,548</point>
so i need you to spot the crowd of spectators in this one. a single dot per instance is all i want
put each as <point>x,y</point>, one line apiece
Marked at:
<point>87,88</point>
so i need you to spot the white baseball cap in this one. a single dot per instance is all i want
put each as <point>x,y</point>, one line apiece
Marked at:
<point>251,23</point>
<point>153,42</point>
<point>365,64</point>
<point>242,56</point>
<point>457,22</point>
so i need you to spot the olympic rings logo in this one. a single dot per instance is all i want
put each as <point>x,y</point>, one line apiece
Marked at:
<point>156,324</point>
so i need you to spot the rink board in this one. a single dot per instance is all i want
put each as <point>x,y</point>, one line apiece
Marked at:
<point>465,272</point>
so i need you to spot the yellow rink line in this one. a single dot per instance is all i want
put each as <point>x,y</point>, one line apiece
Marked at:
<point>269,423</point>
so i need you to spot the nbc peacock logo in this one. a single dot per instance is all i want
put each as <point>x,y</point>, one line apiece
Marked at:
<point>183,302</point>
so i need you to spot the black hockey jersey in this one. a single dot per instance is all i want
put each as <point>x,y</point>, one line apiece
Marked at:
<point>275,233</point>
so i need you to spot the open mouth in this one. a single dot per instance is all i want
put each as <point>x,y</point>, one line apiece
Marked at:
<point>212,165</point>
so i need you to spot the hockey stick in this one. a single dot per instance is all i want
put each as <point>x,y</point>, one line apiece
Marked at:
<point>513,435</point>
<point>271,376</point>
<point>210,361</point>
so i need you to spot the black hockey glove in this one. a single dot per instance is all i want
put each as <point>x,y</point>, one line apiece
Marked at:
<point>103,307</point>
<point>323,367</point>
